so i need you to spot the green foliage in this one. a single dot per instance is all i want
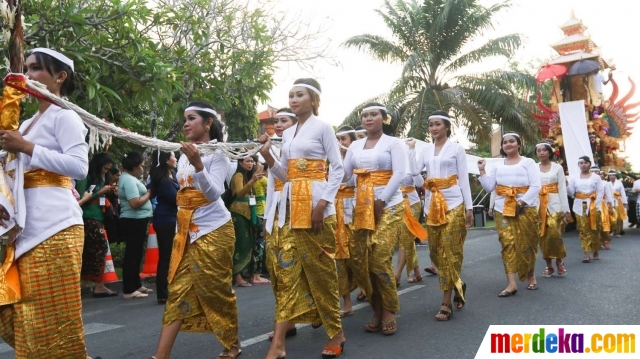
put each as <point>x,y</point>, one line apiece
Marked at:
<point>429,40</point>
<point>138,63</point>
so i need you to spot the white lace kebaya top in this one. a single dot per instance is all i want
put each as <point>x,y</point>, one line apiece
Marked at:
<point>585,186</point>
<point>450,161</point>
<point>523,173</point>
<point>315,140</point>
<point>558,202</point>
<point>388,154</point>
<point>211,182</point>
<point>619,187</point>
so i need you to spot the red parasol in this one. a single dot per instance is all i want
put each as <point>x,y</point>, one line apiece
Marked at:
<point>550,71</point>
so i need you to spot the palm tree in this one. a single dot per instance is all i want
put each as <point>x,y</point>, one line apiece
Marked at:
<point>428,39</point>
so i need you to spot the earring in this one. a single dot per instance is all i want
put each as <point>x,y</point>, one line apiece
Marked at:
<point>207,128</point>
<point>58,81</point>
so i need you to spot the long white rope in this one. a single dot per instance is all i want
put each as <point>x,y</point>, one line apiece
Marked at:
<point>100,131</point>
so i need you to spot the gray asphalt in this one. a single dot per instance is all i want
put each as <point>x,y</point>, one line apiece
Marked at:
<point>601,292</point>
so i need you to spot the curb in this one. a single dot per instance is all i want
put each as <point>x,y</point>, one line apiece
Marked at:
<point>87,287</point>
<point>481,228</point>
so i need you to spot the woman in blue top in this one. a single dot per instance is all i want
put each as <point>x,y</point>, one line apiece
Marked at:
<point>164,186</point>
<point>134,220</point>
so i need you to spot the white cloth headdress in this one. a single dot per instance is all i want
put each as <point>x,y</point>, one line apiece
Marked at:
<point>312,88</point>
<point>204,109</point>
<point>56,55</point>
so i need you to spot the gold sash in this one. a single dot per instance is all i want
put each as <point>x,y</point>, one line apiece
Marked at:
<point>365,196</point>
<point>606,219</point>
<point>342,230</point>
<point>438,208</point>
<point>621,212</point>
<point>544,203</point>
<point>593,211</point>
<point>279,185</point>
<point>41,178</point>
<point>413,225</point>
<point>301,173</point>
<point>510,194</point>
<point>188,200</point>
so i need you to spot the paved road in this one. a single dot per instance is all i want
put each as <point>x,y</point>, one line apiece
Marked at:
<point>602,292</point>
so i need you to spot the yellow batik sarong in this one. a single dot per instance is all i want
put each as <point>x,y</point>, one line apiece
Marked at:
<point>188,200</point>
<point>201,294</point>
<point>271,242</point>
<point>446,244</point>
<point>589,238</point>
<point>407,240</point>
<point>358,262</point>
<point>343,231</point>
<point>519,237</point>
<point>301,173</point>
<point>306,277</point>
<point>47,322</point>
<point>551,243</point>
<point>382,243</point>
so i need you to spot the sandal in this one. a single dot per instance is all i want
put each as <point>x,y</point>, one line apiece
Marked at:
<point>244,285</point>
<point>548,272</point>
<point>336,351</point>
<point>346,313</point>
<point>387,324</point>
<point>533,286</point>
<point>586,260</point>
<point>459,300</point>
<point>373,326</point>
<point>431,270</point>
<point>290,333</point>
<point>561,269</point>
<point>414,279</point>
<point>230,355</point>
<point>105,294</point>
<point>361,297</point>
<point>145,290</point>
<point>505,293</point>
<point>446,313</point>
<point>607,246</point>
<point>135,295</point>
<point>596,256</point>
<point>316,326</point>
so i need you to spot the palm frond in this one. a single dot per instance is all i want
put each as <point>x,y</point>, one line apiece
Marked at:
<point>379,47</point>
<point>502,46</point>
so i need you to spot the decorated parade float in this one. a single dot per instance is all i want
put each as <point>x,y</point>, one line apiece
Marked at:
<point>577,75</point>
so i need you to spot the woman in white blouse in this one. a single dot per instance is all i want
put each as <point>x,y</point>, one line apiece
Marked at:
<point>308,278</point>
<point>619,203</point>
<point>448,206</point>
<point>517,185</point>
<point>588,190</point>
<point>200,271</point>
<point>45,154</point>
<point>554,210</point>
<point>272,227</point>
<point>379,163</point>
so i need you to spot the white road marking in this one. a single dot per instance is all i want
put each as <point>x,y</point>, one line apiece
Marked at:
<point>90,328</point>
<point>260,338</point>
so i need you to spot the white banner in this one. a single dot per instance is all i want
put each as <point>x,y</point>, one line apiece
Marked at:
<point>575,134</point>
<point>548,341</point>
<point>472,164</point>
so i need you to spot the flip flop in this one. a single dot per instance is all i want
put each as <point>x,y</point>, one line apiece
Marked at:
<point>245,284</point>
<point>145,290</point>
<point>346,313</point>
<point>105,294</point>
<point>414,279</point>
<point>431,271</point>
<point>533,286</point>
<point>135,295</point>
<point>262,283</point>
<point>361,297</point>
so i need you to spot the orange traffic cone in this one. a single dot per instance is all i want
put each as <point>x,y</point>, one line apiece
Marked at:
<point>109,270</point>
<point>153,255</point>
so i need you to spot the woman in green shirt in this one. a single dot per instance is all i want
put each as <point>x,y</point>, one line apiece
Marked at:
<point>93,207</point>
<point>135,216</point>
<point>245,219</point>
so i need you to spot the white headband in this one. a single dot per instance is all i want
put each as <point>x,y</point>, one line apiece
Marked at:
<point>511,134</point>
<point>361,131</point>
<point>56,55</point>
<point>374,108</point>
<point>209,110</point>
<point>346,132</point>
<point>613,172</point>
<point>286,114</point>
<point>312,88</point>
<point>446,118</point>
<point>542,144</point>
